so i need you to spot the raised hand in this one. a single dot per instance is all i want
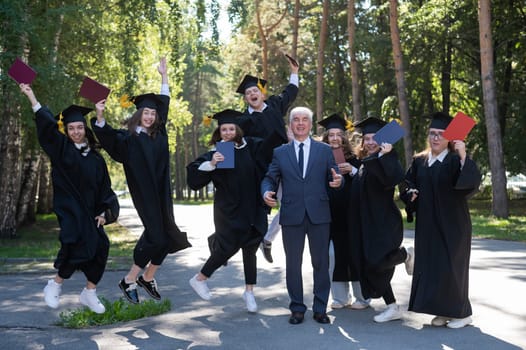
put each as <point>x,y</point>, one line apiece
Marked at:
<point>99,107</point>
<point>460,148</point>
<point>336,179</point>
<point>26,90</point>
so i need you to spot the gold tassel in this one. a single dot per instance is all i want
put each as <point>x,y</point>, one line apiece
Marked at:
<point>207,120</point>
<point>395,119</point>
<point>262,88</point>
<point>125,101</point>
<point>349,126</point>
<point>60,123</point>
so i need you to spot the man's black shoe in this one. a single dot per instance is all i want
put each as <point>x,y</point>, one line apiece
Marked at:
<point>296,318</point>
<point>321,318</point>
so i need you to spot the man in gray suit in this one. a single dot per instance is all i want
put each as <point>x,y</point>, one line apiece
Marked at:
<point>305,169</point>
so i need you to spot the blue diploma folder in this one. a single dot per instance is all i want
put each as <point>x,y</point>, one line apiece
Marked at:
<point>227,150</point>
<point>390,133</point>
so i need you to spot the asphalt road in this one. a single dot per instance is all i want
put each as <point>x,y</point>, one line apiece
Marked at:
<point>497,292</point>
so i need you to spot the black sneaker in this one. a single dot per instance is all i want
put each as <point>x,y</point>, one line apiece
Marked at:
<point>130,291</point>
<point>266,248</point>
<point>150,287</point>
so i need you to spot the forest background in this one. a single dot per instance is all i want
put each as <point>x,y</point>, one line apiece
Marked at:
<point>389,59</point>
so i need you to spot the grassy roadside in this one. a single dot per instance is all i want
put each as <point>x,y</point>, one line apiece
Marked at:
<point>487,226</point>
<point>36,246</point>
<point>39,241</point>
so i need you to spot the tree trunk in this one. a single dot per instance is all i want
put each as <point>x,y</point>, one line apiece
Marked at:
<point>10,158</point>
<point>495,151</point>
<point>180,182</point>
<point>295,28</point>
<point>319,68</point>
<point>28,188</point>
<point>400,81</point>
<point>355,79</point>
<point>264,34</point>
<point>45,188</point>
<point>264,43</point>
<point>446,77</point>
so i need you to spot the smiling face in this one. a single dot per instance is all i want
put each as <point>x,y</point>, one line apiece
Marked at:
<point>227,131</point>
<point>437,142</point>
<point>369,144</point>
<point>76,132</point>
<point>300,124</point>
<point>334,137</point>
<point>254,97</point>
<point>148,117</point>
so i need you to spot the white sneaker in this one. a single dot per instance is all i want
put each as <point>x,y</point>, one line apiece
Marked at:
<point>440,321</point>
<point>52,293</point>
<point>336,305</point>
<point>250,301</point>
<point>201,288</point>
<point>391,313</point>
<point>359,305</point>
<point>410,261</point>
<point>459,322</point>
<point>89,298</point>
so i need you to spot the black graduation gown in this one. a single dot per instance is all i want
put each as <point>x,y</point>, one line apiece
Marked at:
<point>81,191</point>
<point>238,205</point>
<point>339,233</point>
<point>262,124</point>
<point>442,235</point>
<point>375,222</point>
<point>147,167</point>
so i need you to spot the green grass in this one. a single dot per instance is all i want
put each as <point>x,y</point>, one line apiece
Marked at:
<point>486,225</point>
<point>40,240</point>
<point>118,311</point>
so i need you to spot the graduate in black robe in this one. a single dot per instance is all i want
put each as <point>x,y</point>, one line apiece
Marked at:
<point>439,182</point>
<point>375,222</point>
<point>240,215</point>
<point>339,257</point>
<point>81,195</point>
<point>143,151</point>
<point>264,117</point>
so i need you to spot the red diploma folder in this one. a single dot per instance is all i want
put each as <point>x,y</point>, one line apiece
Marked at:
<point>459,127</point>
<point>21,72</point>
<point>93,90</point>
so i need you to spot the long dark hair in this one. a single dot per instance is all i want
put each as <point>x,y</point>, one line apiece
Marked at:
<point>346,145</point>
<point>135,120</point>
<point>216,136</point>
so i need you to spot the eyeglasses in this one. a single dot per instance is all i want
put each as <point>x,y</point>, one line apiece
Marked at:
<point>436,135</point>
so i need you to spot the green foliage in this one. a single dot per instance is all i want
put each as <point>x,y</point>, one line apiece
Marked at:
<point>118,311</point>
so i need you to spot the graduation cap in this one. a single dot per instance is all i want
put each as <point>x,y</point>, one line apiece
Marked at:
<point>147,101</point>
<point>227,116</point>
<point>334,121</point>
<point>71,114</point>
<point>439,120</point>
<point>370,125</point>
<point>249,81</point>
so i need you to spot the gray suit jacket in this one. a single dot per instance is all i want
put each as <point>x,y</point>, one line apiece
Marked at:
<point>301,195</point>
